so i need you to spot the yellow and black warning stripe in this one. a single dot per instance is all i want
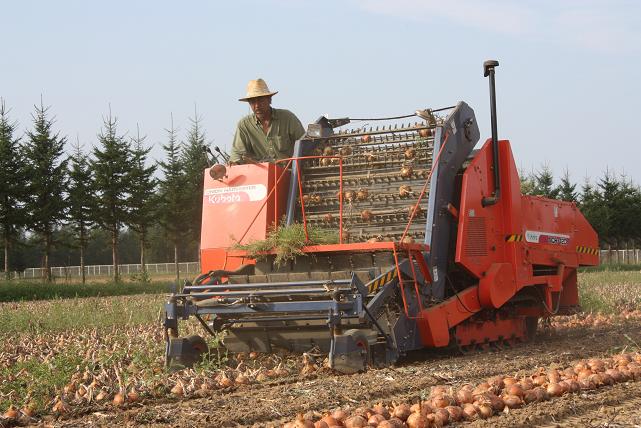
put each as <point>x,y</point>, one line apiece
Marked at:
<point>373,286</point>
<point>587,250</point>
<point>514,238</point>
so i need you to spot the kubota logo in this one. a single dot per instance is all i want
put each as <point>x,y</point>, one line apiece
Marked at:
<point>232,195</point>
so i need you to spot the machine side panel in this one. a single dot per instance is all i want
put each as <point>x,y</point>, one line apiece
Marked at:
<point>231,204</point>
<point>462,133</point>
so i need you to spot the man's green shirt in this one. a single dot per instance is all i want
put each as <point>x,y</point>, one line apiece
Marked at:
<point>284,130</point>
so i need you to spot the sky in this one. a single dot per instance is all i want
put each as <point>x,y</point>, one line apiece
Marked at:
<point>568,84</point>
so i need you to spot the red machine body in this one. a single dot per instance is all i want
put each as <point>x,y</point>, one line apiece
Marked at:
<point>240,207</point>
<point>521,241</point>
<point>436,245</point>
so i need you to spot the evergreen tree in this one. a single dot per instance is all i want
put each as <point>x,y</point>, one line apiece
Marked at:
<point>12,190</point>
<point>566,191</point>
<point>173,207</point>
<point>111,165</point>
<point>46,172</point>
<point>80,202</point>
<point>142,199</point>
<point>527,183</point>
<point>195,162</point>
<point>543,183</point>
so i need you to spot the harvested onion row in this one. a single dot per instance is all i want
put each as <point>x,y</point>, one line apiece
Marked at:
<point>468,403</point>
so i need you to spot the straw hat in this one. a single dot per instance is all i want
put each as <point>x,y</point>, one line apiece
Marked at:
<point>257,88</point>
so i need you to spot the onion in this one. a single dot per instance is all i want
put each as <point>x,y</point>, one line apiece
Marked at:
<point>402,411</point>
<point>496,382</point>
<point>366,138</point>
<point>424,133</point>
<point>362,411</point>
<point>541,393</point>
<point>607,379</point>
<point>508,381</point>
<point>407,240</point>
<point>587,384</point>
<point>11,413</point>
<point>326,161</point>
<point>376,419</point>
<point>404,191</point>
<point>416,420</point>
<point>60,406</point>
<point>442,401</point>
<point>464,396</point>
<point>328,218</point>
<point>410,210</point>
<point>515,389</point>
<point>374,239</point>
<point>328,151</point>
<point>355,422</point>
<point>370,157</point>
<point>553,376</point>
<point>362,194</point>
<point>406,171</point>
<point>456,413</point>
<point>529,396</point>
<point>512,401</point>
<point>596,365</point>
<point>482,388</point>
<point>470,412</point>
<point>349,196</point>
<point>340,415</point>
<point>321,424</point>
<point>442,415</point>
<point>555,390</point>
<point>303,423</point>
<point>614,374</point>
<point>526,384</point>
<point>366,215</point>
<point>485,411</point>
<point>133,395</point>
<point>539,380</point>
<point>381,410</point>
<point>330,420</point>
<point>584,374</point>
<point>119,399</point>
<point>410,153</point>
<point>395,423</point>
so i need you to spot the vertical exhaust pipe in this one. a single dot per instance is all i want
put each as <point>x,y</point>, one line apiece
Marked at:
<point>488,70</point>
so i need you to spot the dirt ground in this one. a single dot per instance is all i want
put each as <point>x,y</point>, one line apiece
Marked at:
<point>273,403</point>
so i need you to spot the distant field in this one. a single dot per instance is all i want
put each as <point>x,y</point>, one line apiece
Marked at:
<point>13,291</point>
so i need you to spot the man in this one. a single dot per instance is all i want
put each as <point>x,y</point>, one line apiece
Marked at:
<point>267,134</point>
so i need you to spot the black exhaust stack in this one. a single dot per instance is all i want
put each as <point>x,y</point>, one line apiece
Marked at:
<point>488,70</point>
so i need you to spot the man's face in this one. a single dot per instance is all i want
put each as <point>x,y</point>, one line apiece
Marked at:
<point>261,106</point>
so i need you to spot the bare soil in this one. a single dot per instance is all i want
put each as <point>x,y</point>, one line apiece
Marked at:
<point>274,403</point>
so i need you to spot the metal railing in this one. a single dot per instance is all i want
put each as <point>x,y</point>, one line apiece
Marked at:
<point>107,270</point>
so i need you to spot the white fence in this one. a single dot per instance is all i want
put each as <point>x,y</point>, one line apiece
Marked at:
<point>107,270</point>
<point>626,257</point>
<point>606,257</point>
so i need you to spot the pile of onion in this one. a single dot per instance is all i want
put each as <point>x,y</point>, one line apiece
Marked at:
<point>468,403</point>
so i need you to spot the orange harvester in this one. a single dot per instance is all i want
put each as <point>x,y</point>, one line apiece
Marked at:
<point>427,242</point>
